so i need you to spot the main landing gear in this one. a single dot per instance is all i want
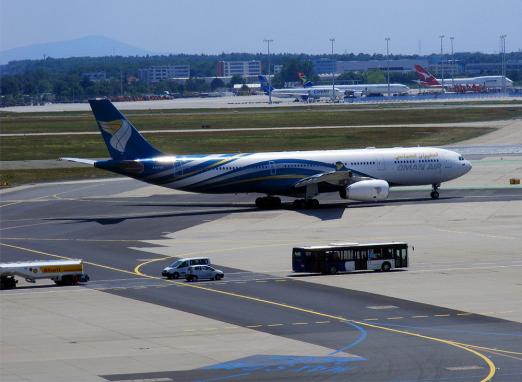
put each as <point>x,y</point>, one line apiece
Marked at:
<point>435,194</point>
<point>306,203</point>
<point>268,202</point>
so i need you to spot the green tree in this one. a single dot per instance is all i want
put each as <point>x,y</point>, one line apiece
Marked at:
<point>217,83</point>
<point>375,77</point>
<point>236,80</point>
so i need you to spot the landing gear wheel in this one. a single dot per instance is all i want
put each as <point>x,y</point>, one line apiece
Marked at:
<point>306,203</point>
<point>260,202</point>
<point>268,202</point>
<point>434,194</point>
<point>299,203</point>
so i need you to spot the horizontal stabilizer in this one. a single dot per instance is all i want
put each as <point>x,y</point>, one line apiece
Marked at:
<point>80,160</point>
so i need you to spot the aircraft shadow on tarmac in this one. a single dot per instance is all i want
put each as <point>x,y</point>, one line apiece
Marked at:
<point>326,211</point>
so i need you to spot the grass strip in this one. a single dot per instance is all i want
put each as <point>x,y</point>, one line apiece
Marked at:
<point>92,146</point>
<point>258,118</point>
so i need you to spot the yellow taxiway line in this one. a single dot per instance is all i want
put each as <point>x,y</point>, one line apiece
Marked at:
<point>466,347</point>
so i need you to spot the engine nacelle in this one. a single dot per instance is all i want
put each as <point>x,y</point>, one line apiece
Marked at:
<point>368,190</point>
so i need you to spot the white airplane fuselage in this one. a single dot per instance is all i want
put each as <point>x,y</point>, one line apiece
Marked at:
<point>276,173</point>
<point>488,82</point>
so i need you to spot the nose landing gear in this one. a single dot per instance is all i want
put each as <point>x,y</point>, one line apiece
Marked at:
<point>435,194</point>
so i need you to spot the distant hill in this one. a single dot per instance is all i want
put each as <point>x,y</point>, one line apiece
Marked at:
<point>93,46</point>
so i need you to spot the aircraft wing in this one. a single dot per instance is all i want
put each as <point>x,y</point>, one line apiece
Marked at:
<point>339,177</point>
<point>80,160</point>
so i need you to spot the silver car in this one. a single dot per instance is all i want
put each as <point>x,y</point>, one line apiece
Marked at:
<point>197,272</point>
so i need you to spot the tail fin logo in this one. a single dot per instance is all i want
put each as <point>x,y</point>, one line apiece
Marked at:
<point>120,132</point>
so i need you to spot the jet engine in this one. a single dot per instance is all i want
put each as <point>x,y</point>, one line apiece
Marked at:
<point>367,190</point>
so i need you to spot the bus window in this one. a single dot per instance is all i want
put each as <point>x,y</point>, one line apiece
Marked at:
<point>350,255</point>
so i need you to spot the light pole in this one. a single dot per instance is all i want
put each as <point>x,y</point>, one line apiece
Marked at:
<point>332,40</point>
<point>388,62</point>
<point>503,62</point>
<point>452,64</point>
<point>268,41</point>
<point>442,61</point>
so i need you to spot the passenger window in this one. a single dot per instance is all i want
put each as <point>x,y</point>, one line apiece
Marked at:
<point>183,264</point>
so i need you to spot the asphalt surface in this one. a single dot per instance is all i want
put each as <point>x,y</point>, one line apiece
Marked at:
<point>371,337</point>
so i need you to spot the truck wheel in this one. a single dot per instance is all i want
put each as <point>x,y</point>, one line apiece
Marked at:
<point>8,283</point>
<point>333,270</point>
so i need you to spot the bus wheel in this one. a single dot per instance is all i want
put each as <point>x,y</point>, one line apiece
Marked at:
<point>333,270</point>
<point>385,267</point>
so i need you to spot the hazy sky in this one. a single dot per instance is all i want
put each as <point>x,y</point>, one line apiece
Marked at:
<point>214,26</point>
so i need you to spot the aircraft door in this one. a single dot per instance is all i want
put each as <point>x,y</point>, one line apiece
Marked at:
<point>381,165</point>
<point>273,170</point>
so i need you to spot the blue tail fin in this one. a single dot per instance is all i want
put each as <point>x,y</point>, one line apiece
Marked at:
<point>264,84</point>
<point>123,141</point>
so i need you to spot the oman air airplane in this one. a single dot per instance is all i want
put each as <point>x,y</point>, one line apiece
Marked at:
<point>363,175</point>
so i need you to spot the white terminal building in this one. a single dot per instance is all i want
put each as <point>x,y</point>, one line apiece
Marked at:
<point>238,68</point>
<point>159,73</point>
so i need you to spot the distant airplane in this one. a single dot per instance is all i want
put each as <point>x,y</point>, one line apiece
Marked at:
<point>483,82</point>
<point>305,93</point>
<point>309,90</point>
<point>363,174</point>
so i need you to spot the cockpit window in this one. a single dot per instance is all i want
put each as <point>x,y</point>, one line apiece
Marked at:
<point>461,158</point>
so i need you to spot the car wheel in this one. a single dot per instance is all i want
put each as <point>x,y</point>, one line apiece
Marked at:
<point>175,275</point>
<point>194,278</point>
<point>217,277</point>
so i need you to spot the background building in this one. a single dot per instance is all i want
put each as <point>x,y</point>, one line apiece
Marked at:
<point>159,73</point>
<point>327,65</point>
<point>238,68</point>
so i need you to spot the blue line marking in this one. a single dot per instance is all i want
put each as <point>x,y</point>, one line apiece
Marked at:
<point>362,336</point>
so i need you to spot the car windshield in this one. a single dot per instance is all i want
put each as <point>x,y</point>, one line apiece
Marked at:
<point>175,264</point>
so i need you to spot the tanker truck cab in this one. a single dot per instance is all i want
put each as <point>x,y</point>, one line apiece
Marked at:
<point>179,267</point>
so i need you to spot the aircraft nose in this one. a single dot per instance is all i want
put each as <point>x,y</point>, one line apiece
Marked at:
<point>467,166</point>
